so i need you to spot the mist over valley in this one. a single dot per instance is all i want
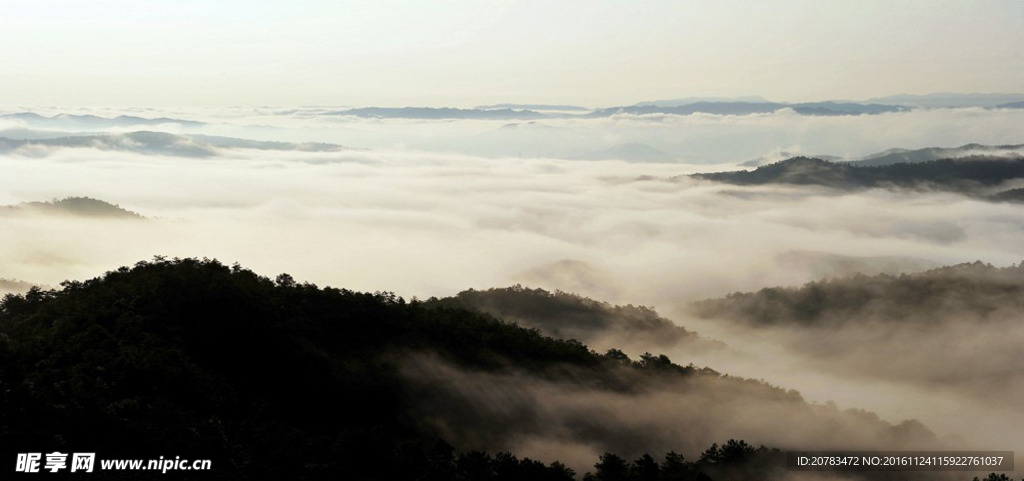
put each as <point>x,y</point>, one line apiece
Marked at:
<point>512,240</point>
<point>629,256</point>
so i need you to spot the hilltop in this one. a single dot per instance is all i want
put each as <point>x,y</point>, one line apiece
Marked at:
<point>74,206</point>
<point>970,175</point>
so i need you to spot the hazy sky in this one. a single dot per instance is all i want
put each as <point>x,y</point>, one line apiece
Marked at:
<point>463,53</point>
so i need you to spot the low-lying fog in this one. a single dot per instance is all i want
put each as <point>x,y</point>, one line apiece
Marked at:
<point>435,207</point>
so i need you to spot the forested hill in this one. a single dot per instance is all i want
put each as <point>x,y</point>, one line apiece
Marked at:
<point>73,206</point>
<point>967,291</point>
<point>953,330</point>
<point>569,316</point>
<point>201,360</point>
<point>967,175</point>
<point>273,379</point>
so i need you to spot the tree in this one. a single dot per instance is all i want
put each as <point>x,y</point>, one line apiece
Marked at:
<point>618,356</point>
<point>284,280</point>
<point>994,477</point>
<point>611,468</point>
<point>734,452</point>
<point>474,466</point>
<point>645,468</point>
<point>676,468</point>
<point>560,472</point>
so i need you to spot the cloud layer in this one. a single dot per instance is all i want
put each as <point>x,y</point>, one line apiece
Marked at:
<point>696,138</point>
<point>431,213</point>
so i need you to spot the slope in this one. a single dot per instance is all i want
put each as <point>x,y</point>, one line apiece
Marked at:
<point>273,378</point>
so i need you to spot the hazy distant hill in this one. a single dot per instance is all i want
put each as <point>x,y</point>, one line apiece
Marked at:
<point>76,206</point>
<point>89,122</point>
<point>844,108</point>
<point>237,143</point>
<point>427,113</point>
<point>819,265</point>
<point>143,142</point>
<point>896,156</point>
<point>966,175</point>
<point>949,100</point>
<point>746,108</point>
<point>1010,195</point>
<point>160,143</point>
<point>529,139</point>
<point>538,107</point>
<point>692,100</point>
<point>719,108</point>
<point>514,112</point>
<point>782,155</point>
<point>629,152</point>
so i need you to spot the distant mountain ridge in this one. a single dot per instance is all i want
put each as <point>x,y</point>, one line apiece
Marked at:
<point>162,143</point>
<point>927,101</point>
<point>746,108</point>
<point>684,106</point>
<point>427,113</point>
<point>951,100</point>
<point>693,100</point>
<point>565,108</point>
<point>715,105</point>
<point>89,121</point>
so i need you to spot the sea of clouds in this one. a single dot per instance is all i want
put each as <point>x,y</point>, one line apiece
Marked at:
<point>429,208</point>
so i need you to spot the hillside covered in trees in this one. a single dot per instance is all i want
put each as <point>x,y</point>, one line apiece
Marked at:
<point>979,176</point>
<point>564,315</point>
<point>276,378</point>
<point>954,330</point>
<point>975,290</point>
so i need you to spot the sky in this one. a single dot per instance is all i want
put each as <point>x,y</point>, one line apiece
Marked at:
<point>463,53</point>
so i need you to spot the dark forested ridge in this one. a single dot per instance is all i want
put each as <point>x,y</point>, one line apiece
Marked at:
<point>208,361</point>
<point>969,175</point>
<point>565,315</point>
<point>279,379</point>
